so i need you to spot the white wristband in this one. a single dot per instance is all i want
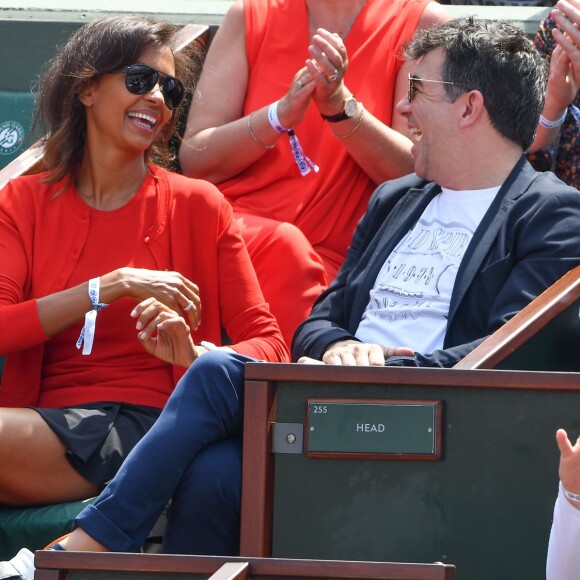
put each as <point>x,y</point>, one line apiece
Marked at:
<point>553,124</point>
<point>273,118</point>
<point>87,335</point>
<point>304,163</point>
<point>570,495</point>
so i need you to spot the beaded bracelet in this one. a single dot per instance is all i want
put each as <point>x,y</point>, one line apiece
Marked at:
<point>253,135</point>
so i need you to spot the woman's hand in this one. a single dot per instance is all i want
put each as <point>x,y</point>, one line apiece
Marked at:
<point>566,14</point>
<point>60,310</point>
<point>564,74</point>
<point>563,82</point>
<point>163,333</point>
<point>327,66</point>
<point>292,106</point>
<point>170,288</point>
<point>569,463</point>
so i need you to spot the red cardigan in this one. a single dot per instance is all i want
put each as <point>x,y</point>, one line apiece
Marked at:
<point>41,236</point>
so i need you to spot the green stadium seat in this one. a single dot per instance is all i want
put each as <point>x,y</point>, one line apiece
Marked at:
<point>16,110</point>
<point>35,527</point>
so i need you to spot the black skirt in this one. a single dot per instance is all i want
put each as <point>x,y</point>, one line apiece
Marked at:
<point>99,436</point>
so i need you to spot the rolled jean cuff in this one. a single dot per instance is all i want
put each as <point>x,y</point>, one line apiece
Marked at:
<point>104,531</point>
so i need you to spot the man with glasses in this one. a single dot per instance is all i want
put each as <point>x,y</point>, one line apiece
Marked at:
<point>445,256</point>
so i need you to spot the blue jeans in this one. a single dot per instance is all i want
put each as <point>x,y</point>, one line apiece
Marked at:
<point>182,456</point>
<point>204,516</point>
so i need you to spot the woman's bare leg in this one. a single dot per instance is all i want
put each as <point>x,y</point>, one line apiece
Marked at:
<point>34,467</point>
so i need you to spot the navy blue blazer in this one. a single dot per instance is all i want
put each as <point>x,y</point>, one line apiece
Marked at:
<point>528,239</point>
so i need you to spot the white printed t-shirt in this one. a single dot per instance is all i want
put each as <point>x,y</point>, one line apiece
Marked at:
<point>409,303</point>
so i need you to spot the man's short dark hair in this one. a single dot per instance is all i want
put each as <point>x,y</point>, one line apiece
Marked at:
<point>497,59</point>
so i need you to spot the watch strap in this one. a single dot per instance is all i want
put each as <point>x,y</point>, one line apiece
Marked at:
<point>335,118</point>
<point>342,115</point>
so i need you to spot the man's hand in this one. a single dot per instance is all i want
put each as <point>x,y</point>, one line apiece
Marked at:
<point>355,353</point>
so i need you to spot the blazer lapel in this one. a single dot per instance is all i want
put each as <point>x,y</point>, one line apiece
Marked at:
<point>516,184</point>
<point>396,224</point>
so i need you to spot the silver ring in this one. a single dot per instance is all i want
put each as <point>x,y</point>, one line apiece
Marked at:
<point>299,83</point>
<point>334,75</point>
<point>188,307</point>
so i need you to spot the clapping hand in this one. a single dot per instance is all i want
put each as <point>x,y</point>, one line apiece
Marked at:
<point>292,106</point>
<point>327,66</point>
<point>564,79</point>
<point>321,80</point>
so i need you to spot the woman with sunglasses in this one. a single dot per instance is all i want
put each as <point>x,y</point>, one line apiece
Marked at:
<point>107,260</point>
<point>330,71</point>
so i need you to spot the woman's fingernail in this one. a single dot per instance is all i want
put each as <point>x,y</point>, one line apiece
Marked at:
<point>138,326</point>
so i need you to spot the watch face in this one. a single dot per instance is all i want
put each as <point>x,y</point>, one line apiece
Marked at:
<point>350,107</point>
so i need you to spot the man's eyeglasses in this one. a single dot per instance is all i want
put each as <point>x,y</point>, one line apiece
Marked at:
<point>413,89</point>
<point>140,79</point>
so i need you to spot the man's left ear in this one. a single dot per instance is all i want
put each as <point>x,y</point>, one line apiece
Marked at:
<point>474,107</point>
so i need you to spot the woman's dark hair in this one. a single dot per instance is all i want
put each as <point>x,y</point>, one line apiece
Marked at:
<point>497,59</point>
<point>102,45</point>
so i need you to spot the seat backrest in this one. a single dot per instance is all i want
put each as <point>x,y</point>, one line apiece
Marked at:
<point>16,109</point>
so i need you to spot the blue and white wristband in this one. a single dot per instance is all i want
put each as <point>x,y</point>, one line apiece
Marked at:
<point>273,118</point>
<point>553,124</point>
<point>303,162</point>
<point>87,335</point>
<point>568,494</point>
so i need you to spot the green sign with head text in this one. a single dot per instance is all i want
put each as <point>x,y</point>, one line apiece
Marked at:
<point>391,428</point>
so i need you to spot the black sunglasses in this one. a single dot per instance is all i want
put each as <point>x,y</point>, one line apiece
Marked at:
<point>413,90</point>
<point>140,79</point>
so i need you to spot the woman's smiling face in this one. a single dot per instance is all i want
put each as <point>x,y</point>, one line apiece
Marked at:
<point>118,118</point>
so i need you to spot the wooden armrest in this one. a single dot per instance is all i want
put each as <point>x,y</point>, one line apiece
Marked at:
<point>56,565</point>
